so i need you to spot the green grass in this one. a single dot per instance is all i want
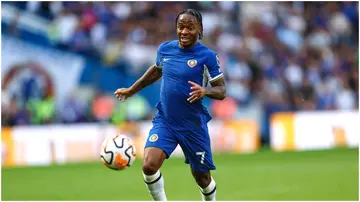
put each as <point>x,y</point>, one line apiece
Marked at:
<point>315,175</point>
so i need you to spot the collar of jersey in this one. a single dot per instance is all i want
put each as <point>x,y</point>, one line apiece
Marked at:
<point>192,49</point>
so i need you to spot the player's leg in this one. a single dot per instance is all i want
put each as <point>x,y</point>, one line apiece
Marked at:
<point>153,159</point>
<point>206,183</point>
<point>197,150</point>
<point>159,146</point>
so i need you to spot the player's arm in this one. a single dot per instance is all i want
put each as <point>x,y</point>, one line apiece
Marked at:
<point>217,90</point>
<point>150,76</point>
<point>216,79</point>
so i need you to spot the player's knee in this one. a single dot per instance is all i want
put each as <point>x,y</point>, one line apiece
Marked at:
<point>150,167</point>
<point>153,159</point>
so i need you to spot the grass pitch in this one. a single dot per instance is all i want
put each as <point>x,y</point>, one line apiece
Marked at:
<point>311,175</point>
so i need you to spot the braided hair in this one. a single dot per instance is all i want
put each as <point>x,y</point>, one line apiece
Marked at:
<point>196,14</point>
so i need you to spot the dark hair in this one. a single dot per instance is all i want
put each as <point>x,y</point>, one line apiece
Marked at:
<point>194,13</point>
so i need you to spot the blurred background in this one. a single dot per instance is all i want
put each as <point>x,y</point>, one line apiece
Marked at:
<point>287,56</point>
<point>62,61</point>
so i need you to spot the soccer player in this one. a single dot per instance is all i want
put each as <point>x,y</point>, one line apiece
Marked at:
<point>186,66</point>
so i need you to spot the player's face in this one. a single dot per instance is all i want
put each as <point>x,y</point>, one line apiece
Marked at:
<point>188,30</point>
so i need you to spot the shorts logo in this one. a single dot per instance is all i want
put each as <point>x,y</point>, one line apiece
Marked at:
<point>153,138</point>
<point>192,63</point>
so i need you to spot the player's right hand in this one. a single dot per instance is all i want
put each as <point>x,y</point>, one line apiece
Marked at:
<point>123,93</point>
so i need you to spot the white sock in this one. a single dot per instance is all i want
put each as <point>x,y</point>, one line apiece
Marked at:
<point>155,185</point>
<point>209,193</point>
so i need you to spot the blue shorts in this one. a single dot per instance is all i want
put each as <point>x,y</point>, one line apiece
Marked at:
<point>194,143</point>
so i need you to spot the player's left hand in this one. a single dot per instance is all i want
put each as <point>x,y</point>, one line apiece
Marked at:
<point>197,92</point>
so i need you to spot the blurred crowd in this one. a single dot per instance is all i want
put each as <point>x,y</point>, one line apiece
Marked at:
<point>287,55</point>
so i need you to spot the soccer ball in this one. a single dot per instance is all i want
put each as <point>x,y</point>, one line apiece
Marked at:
<point>117,152</point>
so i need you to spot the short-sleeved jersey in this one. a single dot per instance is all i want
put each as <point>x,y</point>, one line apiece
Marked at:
<point>198,64</point>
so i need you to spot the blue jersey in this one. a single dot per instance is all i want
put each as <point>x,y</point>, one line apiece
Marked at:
<point>198,64</point>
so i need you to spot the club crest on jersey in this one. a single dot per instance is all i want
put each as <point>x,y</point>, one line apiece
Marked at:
<point>192,63</point>
<point>153,138</point>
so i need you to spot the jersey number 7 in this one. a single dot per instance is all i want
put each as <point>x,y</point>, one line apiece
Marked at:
<point>202,154</point>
